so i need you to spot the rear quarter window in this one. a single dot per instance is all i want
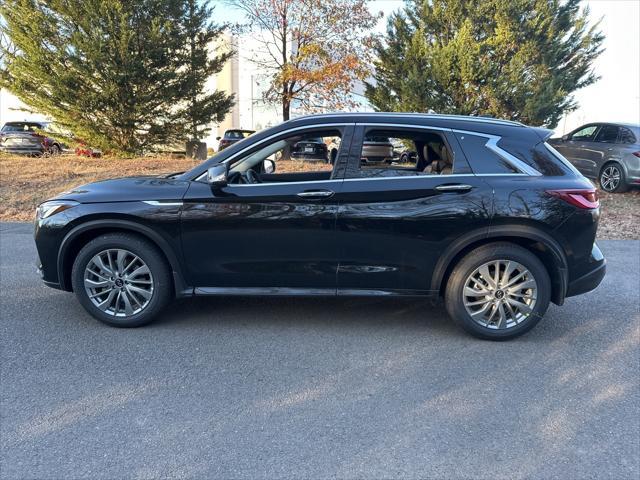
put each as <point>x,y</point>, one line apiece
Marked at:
<point>536,156</point>
<point>481,159</point>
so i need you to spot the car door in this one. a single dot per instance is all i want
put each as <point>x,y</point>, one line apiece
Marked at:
<point>581,150</point>
<point>394,221</point>
<point>272,237</point>
<point>605,145</point>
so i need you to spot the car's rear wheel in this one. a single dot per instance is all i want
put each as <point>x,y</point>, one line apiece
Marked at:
<point>612,178</point>
<point>121,279</point>
<point>498,291</point>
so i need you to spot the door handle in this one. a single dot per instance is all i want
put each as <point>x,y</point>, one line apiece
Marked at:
<point>454,187</point>
<point>311,194</point>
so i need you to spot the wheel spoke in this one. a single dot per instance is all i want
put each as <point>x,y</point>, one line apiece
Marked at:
<point>140,291</point>
<point>472,292</point>
<point>502,322</point>
<point>107,301</point>
<point>94,284</point>
<point>97,260</point>
<point>128,309</point>
<point>143,270</point>
<point>120,256</point>
<point>486,276</point>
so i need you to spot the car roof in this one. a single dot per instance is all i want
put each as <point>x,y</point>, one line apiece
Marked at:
<point>239,130</point>
<point>413,115</point>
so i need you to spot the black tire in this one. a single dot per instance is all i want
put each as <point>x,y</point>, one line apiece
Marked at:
<point>162,291</point>
<point>476,258</point>
<point>55,150</point>
<point>613,168</point>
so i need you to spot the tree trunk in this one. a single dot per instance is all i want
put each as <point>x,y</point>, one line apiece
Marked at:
<point>286,107</point>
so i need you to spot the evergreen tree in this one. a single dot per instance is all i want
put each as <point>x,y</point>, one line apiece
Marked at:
<point>120,75</point>
<point>515,59</point>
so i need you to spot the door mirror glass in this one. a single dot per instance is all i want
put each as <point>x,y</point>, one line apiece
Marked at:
<point>268,166</point>
<point>565,137</point>
<point>217,176</point>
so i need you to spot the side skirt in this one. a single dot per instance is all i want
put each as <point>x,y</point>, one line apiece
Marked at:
<point>309,292</point>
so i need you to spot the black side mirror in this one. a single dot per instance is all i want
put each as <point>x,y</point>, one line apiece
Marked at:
<point>217,176</point>
<point>268,166</point>
<point>218,138</point>
<point>565,138</point>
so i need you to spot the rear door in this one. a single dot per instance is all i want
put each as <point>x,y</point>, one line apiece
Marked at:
<point>394,221</point>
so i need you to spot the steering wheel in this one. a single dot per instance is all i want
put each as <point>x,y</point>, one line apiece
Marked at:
<point>250,176</point>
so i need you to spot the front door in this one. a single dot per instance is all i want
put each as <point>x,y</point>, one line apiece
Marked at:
<point>398,216</point>
<point>581,150</point>
<point>269,231</point>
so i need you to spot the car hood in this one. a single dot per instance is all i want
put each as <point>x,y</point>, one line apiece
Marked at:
<point>127,189</point>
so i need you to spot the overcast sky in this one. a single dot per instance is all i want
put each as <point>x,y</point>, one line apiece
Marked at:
<point>615,97</point>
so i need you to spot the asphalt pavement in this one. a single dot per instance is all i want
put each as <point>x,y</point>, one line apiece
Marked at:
<point>316,388</point>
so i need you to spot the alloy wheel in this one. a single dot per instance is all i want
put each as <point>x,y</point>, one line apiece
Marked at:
<point>500,294</point>
<point>610,178</point>
<point>118,282</point>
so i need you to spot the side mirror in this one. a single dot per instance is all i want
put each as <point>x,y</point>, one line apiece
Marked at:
<point>565,138</point>
<point>217,175</point>
<point>268,166</point>
<point>218,138</point>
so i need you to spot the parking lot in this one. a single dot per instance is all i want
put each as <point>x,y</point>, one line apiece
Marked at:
<point>271,388</point>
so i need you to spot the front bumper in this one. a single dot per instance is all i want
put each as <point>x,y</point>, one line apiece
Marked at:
<point>590,280</point>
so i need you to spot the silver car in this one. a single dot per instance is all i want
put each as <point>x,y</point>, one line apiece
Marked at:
<point>608,152</point>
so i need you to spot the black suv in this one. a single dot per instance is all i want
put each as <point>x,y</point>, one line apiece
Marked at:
<point>490,217</point>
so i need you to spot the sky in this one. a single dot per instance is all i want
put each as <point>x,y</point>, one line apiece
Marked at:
<point>615,97</point>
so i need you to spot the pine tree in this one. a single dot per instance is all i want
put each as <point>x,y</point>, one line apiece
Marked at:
<point>515,59</point>
<point>120,75</point>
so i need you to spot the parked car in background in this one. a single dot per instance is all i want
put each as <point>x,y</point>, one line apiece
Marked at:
<point>377,150</point>
<point>608,152</point>
<point>232,136</point>
<point>28,138</point>
<point>503,225</point>
<point>310,149</point>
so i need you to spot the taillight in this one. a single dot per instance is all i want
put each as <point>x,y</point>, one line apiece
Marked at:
<point>637,154</point>
<point>586,199</point>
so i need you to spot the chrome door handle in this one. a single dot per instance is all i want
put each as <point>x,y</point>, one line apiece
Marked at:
<point>315,194</point>
<point>455,187</point>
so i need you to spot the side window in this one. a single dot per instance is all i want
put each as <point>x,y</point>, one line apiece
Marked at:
<point>395,153</point>
<point>584,134</point>
<point>300,157</point>
<point>626,136</point>
<point>481,159</point>
<point>607,134</point>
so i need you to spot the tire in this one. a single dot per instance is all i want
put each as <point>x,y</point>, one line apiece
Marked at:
<point>608,175</point>
<point>146,293</point>
<point>509,320</point>
<point>55,150</point>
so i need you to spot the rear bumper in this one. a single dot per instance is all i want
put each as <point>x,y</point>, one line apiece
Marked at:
<point>35,150</point>
<point>590,280</point>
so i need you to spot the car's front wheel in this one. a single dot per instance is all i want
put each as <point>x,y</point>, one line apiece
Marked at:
<point>498,291</point>
<point>121,279</point>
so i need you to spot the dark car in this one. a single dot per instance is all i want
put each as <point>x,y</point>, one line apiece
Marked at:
<point>608,152</point>
<point>27,138</point>
<point>310,149</point>
<point>490,217</point>
<point>232,136</point>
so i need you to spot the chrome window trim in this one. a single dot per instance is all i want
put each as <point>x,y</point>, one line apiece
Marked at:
<point>492,144</point>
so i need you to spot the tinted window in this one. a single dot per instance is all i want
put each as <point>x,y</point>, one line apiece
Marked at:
<point>626,136</point>
<point>607,134</point>
<point>534,155</point>
<point>481,159</point>
<point>395,153</point>
<point>585,133</point>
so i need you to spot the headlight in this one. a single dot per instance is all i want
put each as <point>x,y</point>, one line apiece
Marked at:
<point>47,209</point>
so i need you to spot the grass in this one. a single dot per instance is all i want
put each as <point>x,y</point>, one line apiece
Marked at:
<point>25,182</point>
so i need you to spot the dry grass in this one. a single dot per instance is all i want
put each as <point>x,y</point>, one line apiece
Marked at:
<point>25,182</point>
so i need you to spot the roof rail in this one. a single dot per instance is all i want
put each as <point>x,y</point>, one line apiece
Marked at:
<point>416,114</point>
